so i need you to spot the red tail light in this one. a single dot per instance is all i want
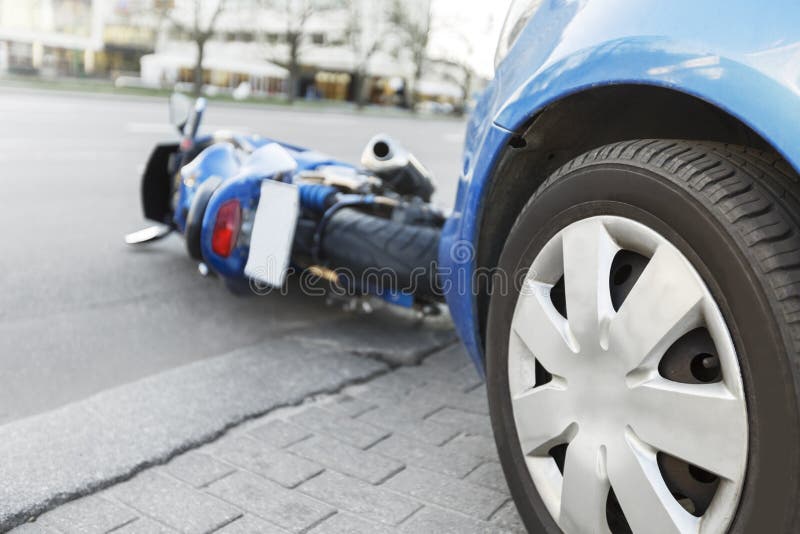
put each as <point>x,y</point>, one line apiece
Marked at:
<point>226,228</point>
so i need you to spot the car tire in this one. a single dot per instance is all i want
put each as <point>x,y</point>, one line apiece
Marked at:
<point>727,218</point>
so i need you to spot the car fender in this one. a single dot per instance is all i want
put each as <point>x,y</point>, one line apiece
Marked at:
<point>725,82</point>
<point>760,85</point>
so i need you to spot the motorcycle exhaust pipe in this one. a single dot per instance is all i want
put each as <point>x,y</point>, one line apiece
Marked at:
<point>398,167</point>
<point>383,153</point>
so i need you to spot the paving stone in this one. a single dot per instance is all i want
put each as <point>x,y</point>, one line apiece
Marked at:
<point>346,459</point>
<point>144,525</point>
<point>463,379</point>
<point>409,405</point>
<point>397,383</point>
<point>365,500</point>
<point>443,394</point>
<point>344,523</point>
<point>474,445</point>
<point>445,522</point>
<point>92,514</point>
<point>33,528</point>
<point>432,397</point>
<point>490,475</point>
<point>288,509</point>
<point>469,423</point>
<point>173,503</point>
<point>451,359</point>
<point>412,452</point>
<point>424,400</point>
<point>478,401</point>
<point>277,465</point>
<point>348,405</point>
<point>508,518</point>
<point>447,492</point>
<point>279,434</point>
<point>424,430</point>
<point>249,524</point>
<point>475,390</point>
<point>347,429</point>
<point>198,469</point>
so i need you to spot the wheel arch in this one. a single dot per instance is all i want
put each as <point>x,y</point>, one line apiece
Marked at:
<point>575,124</point>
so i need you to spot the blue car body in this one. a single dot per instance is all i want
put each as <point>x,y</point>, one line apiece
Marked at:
<point>740,56</point>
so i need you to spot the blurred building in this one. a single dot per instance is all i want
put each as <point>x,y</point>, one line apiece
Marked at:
<point>133,42</point>
<point>129,30</point>
<point>73,37</point>
<point>255,33</point>
<point>59,36</point>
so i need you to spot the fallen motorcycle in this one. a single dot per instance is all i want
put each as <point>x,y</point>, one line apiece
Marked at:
<point>252,210</point>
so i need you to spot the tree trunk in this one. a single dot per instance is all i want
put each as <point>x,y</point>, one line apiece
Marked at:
<point>465,90</point>
<point>361,90</point>
<point>294,69</point>
<point>291,86</point>
<point>198,69</point>
<point>411,95</point>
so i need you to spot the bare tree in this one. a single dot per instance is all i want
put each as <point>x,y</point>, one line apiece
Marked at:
<point>457,66</point>
<point>297,13</point>
<point>364,40</point>
<point>200,29</point>
<point>461,73</point>
<point>414,29</point>
<point>455,62</point>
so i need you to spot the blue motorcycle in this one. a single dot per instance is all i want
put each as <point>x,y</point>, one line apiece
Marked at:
<point>253,210</point>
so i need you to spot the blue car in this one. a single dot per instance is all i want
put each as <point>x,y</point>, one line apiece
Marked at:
<point>623,263</point>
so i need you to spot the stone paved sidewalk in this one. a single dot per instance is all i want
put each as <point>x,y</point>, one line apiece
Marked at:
<point>409,451</point>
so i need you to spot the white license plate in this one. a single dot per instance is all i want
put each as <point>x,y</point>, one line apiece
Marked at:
<point>273,233</point>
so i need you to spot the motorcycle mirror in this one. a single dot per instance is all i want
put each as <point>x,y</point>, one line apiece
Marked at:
<point>180,109</point>
<point>192,126</point>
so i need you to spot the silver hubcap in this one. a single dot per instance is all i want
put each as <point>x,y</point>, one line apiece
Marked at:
<point>628,430</point>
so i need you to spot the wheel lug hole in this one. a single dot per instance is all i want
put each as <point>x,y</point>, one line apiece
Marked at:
<point>622,274</point>
<point>701,475</point>
<point>710,362</point>
<point>705,367</point>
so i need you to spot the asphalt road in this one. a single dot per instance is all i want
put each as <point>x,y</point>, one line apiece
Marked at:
<point>80,312</point>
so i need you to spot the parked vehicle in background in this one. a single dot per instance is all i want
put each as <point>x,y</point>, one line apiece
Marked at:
<point>435,108</point>
<point>638,160</point>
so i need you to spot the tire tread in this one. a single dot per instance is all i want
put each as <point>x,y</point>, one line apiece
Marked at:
<point>360,241</point>
<point>755,192</point>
